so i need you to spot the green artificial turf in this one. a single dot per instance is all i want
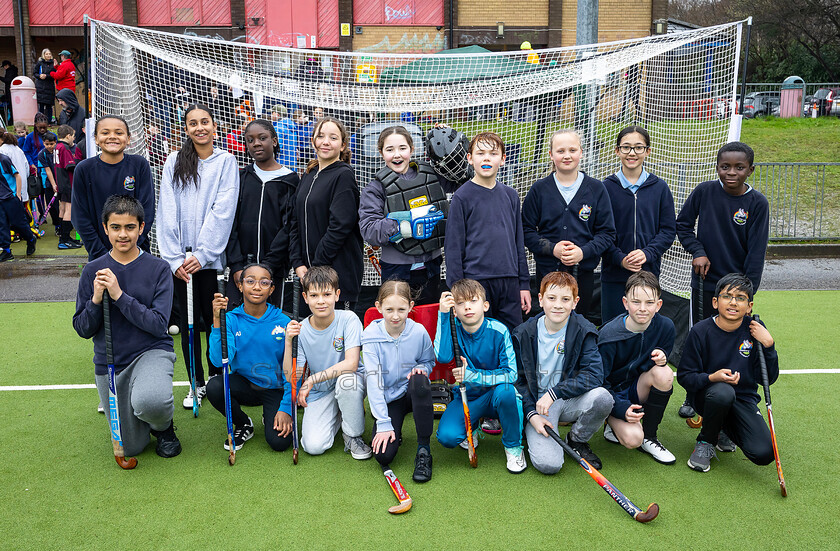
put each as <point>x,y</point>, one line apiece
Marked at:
<point>62,489</point>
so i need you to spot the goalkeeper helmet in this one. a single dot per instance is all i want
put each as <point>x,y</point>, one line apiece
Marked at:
<point>447,150</point>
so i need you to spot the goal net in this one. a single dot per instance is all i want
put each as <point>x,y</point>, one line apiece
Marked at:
<point>680,86</point>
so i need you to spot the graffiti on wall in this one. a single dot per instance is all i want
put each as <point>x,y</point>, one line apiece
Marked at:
<point>414,44</point>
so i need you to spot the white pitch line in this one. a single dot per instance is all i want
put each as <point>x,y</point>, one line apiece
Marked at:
<point>186,383</point>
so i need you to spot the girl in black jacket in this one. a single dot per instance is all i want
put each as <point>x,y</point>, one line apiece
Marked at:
<point>266,196</point>
<point>45,84</point>
<point>325,224</point>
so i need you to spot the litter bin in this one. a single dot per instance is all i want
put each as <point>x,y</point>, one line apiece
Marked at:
<point>24,101</point>
<point>793,91</point>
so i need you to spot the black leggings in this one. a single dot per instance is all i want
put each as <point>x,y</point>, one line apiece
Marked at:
<point>245,393</point>
<point>204,286</point>
<point>419,400</point>
<point>721,408</point>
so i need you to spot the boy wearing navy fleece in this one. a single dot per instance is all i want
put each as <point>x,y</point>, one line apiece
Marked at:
<point>634,349</point>
<point>720,368</point>
<point>567,218</point>
<point>484,239</point>
<point>140,287</point>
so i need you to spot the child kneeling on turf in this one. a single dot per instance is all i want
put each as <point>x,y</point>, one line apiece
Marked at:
<point>256,340</point>
<point>398,357</point>
<point>140,288</point>
<point>560,375</point>
<point>329,345</point>
<point>488,371</point>
<point>720,369</point>
<point>634,348</point>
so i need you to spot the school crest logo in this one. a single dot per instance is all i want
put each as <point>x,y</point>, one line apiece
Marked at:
<point>740,217</point>
<point>745,348</point>
<point>278,332</point>
<point>338,344</point>
<point>128,183</point>
<point>584,212</point>
<point>561,347</point>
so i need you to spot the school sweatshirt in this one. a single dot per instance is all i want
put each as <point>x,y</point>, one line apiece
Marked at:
<point>139,318</point>
<point>200,216</point>
<point>587,222</point>
<point>731,231</point>
<point>709,348</point>
<point>626,355</point>
<point>73,115</point>
<point>325,226</point>
<point>94,181</point>
<point>261,224</point>
<point>255,348</point>
<point>582,367</point>
<point>644,220</point>
<point>387,362</point>
<point>32,145</point>
<point>489,353</point>
<point>484,237</point>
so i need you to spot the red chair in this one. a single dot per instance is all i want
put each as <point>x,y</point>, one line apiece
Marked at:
<point>426,315</point>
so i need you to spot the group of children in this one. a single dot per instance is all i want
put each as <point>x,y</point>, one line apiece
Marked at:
<point>553,368</point>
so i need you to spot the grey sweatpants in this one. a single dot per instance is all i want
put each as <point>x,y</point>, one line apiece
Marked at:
<point>144,391</point>
<point>321,417</point>
<point>587,411</point>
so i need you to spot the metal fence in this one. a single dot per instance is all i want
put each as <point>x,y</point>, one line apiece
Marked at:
<point>810,87</point>
<point>804,199</point>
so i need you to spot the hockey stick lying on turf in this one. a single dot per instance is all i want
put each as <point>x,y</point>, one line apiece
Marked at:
<point>691,422</point>
<point>467,424</point>
<point>295,315</point>
<point>191,337</point>
<point>765,382</point>
<point>641,516</point>
<point>222,277</point>
<point>399,491</point>
<point>113,402</point>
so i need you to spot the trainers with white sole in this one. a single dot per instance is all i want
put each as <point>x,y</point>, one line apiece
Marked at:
<point>465,443</point>
<point>725,444</point>
<point>609,435</point>
<point>701,457</point>
<point>241,434</point>
<point>515,460</point>
<point>100,408</point>
<point>357,447</point>
<point>188,400</point>
<point>655,449</point>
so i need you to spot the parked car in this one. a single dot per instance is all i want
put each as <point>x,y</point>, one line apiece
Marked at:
<point>827,101</point>
<point>760,104</point>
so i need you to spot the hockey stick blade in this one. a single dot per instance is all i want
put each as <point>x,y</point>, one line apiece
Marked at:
<point>631,509</point>
<point>694,423</point>
<point>399,491</point>
<point>113,403</point>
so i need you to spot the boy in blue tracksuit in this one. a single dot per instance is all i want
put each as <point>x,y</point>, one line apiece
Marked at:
<point>720,369</point>
<point>484,240</point>
<point>635,349</point>
<point>488,371</point>
<point>645,220</point>
<point>256,343</point>
<point>567,219</point>
<point>12,213</point>
<point>732,221</point>
<point>560,375</point>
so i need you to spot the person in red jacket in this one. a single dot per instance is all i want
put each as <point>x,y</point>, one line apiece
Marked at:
<point>65,73</point>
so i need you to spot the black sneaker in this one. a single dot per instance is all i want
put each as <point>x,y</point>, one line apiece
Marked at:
<point>168,444</point>
<point>241,434</point>
<point>583,450</point>
<point>724,443</point>
<point>422,466</point>
<point>686,411</point>
<point>30,247</point>
<point>16,238</point>
<point>6,255</point>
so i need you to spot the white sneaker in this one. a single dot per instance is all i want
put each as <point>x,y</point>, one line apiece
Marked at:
<point>99,408</point>
<point>465,443</point>
<point>174,330</point>
<point>656,450</point>
<point>609,435</point>
<point>188,401</point>
<point>515,459</point>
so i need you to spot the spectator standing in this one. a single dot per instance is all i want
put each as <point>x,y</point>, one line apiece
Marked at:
<point>45,84</point>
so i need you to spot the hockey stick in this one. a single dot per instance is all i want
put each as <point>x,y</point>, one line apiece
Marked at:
<point>399,491</point>
<point>765,381</point>
<point>691,422</point>
<point>113,402</point>
<point>635,512</point>
<point>43,217</point>
<point>295,315</point>
<point>191,337</point>
<point>463,387</point>
<point>222,277</point>
<point>371,254</point>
